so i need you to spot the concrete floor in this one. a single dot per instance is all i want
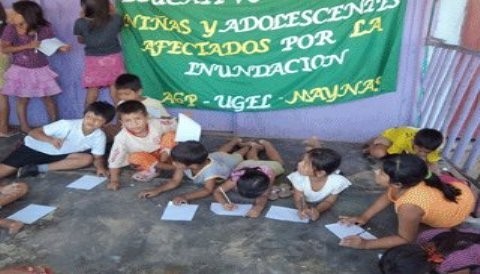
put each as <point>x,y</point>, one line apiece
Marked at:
<point>100,231</point>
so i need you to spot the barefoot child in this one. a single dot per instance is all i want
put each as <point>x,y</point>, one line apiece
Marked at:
<point>8,194</point>
<point>253,178</point>
<point>192,159</point>
<point>63,145</point>
<point>316,187</point>
<point>137,144</point>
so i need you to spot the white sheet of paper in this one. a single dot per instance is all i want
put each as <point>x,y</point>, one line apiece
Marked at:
<point>241,209</point>
<point>342,231</point>
<point>50,46</point>
<point>284,214</point>
<point>31,213</point>
<point>87,182</point>
<point>187,129</point>
<point>184,212</point>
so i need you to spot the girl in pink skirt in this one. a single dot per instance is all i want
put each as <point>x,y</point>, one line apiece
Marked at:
<point>29,74</point>
<point>98,28</point>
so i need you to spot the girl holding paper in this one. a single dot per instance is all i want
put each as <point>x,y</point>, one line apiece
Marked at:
<point>29,74</point>
<point>418,196</point>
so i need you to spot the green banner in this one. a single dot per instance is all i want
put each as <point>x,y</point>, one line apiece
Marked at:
<point>258,55</point>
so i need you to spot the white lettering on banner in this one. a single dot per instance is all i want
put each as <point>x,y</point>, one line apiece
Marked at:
<point>308,40</point>
<point>302,64</point>
<point>186,2</point>
<point>307,17</point>
<point>241,103</point>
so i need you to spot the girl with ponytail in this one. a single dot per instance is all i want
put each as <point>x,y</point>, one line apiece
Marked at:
<point>418,197</point>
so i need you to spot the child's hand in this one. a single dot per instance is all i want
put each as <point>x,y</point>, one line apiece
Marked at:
<point>179,200</point>
<point>113,185</point>
<point>352,220</point>
<point>103,172</point>
<point>303,214</point>
<point>253,213</point>
<point>229,206</point>
<point>353,241</point>
<point>33,44</point>
<point>57,143</point>
<point>313,214</point>
<point>65,48</point>
<point>148,194</point>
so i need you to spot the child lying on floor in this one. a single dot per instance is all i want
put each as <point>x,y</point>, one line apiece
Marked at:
<point>253,178</point>
<point>192,159</point>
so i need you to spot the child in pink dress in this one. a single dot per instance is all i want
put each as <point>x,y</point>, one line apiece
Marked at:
<point>29,74</point>
<point>98,28</point>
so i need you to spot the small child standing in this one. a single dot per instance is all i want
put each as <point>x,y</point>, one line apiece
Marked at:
<point>29,74</point>
<point>192,159</point>
<point>63,145</point>
<point>316,187</point>
<point>424,143</point>
<point>129,87</point>
<point>253,178</point>
<point>98,28</point>
<point>4,62</point>
<point>137,144</point>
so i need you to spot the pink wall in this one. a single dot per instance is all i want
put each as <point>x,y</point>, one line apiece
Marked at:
<point>356,121</point>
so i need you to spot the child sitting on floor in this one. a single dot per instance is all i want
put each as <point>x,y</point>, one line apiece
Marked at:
<point>316,187</point>
<point>424,143</point>
<point>192,159</point>
<point>139,143</point>
<point>63,145</point>
<point>8,194</point>
<point>439,250</point>
<point>253,178</point>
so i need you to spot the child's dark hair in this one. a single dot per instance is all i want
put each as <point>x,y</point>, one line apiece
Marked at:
<point>428,138</point>
<point>412,258</point>
<point>128,81</point>
<point>324,159</point>
<point>252,183</point>
<point>405,259</point>
<point>32,13</point>
<point>131,106</point>
<point>3,18</point>
<point>410,170</point>
<point>104,109</point>
<point>189,152</point>
<point>97,10</point>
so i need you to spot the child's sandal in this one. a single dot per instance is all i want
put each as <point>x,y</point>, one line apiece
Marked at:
<point>273,195</point>
<point>285,191</point>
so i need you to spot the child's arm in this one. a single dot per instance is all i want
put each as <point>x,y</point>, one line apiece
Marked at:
<point>39,134</point>
<point>171,184</point>
<point>99,164</point>
<point>114,183</point>
<point>323,206</point>
<point>260,203</point>
<point>218,195</point>
<point>206,190</point>
<point>7,47</point>
<point>299,201</point>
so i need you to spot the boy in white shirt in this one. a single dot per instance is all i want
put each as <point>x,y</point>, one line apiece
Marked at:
<point>63,145</point>
<point>140,143</point>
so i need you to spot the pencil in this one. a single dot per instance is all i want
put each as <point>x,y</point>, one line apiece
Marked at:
<point>36,39</point>
<point>224,195</point>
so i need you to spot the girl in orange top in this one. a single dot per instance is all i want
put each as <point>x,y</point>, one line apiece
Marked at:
<point>419,197</point>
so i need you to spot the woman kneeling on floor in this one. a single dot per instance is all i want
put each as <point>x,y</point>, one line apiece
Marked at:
<point>418,196</point>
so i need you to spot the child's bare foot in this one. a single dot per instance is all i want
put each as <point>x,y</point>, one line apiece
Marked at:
<point>12,226</point>
<point>312,142</point>
<point>256,145</point>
